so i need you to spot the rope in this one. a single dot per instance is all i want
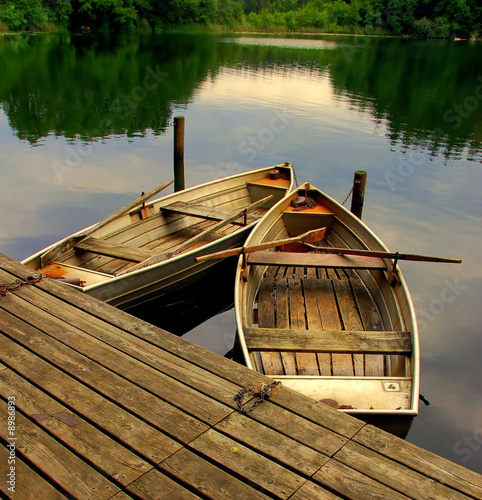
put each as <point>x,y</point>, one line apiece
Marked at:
<point>261,395</point>
<point>6,288</point>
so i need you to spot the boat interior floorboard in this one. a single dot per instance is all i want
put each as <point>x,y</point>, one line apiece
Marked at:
<point>317,299</point>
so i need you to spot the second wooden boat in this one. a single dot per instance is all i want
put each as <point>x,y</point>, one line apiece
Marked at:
<point>338,328</point>
<point>151,249</point>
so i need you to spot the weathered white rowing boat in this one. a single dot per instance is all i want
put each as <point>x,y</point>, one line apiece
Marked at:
<point>150,250</point>
<point>338,328</point>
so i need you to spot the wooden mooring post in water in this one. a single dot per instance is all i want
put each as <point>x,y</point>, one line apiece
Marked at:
<point>358,196</point>
<point>179,183</point>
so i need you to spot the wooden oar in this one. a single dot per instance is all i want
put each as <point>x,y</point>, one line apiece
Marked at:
<point>308,237</point>
<point>55,252</point>
<point>384,255</point>
<point>156,259</point>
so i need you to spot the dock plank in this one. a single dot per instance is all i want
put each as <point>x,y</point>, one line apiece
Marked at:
<point>429,464</point>
<point>156,358</point>
<point>103,359</point>
<point>197,356</point>
<point>107,387</point>
<point>71,429</point>
<point>249,464</point>
<point>279,446</point>
<point>395,476</point>
<point>353,485</point>
<point>31,486</point>
<point>56,461</point>
<point>157,486</point>
<point>209,479</point>
<point>78,413</point>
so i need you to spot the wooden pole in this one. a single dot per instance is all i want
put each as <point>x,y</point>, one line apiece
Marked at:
<point>358,196</point>
<point>179,183</point>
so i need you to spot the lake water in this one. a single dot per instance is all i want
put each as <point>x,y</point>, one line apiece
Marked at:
<point>86,125</point>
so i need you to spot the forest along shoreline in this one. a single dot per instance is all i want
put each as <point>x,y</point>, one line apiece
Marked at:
<point>450,19</point>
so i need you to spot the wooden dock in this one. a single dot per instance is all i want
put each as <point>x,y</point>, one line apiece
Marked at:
<point>108,406</point>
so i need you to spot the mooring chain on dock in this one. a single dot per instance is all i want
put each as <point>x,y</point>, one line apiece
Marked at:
<point>6,288</point>
<point>261,395</point>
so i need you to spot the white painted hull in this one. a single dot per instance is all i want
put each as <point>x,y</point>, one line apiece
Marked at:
<point>394,395</point>
<point>139,286</point>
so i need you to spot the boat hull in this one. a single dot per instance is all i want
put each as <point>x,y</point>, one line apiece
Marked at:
<point>173,230</point>
<point>309,301</point>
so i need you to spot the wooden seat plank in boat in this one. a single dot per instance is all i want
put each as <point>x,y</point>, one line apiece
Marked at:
<point>205,212</point>
<point>116,250</point>
<point>328,341</point>
<point>315,259</point>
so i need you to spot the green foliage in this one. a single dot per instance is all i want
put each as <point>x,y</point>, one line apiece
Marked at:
<point>422,18</point>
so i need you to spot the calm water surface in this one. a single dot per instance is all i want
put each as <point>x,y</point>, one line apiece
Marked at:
<point>86,125</point>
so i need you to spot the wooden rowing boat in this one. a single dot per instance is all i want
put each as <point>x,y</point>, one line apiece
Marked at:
<point>338,328</point>
<point>150,250</point>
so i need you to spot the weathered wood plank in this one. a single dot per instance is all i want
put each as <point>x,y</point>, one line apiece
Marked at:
<point>311,491</point>
<point>216,387</point>
<point>328,341</point>
<point>206,477</point>
<point>314,259</point>
<point>198,356</point>
<point>88,441</point>
<point>108,385</point>
<point>371,319</point>
<point>157,486</point>
<point>297,427</point>
<point>342,364</point>
<point>204,212</point>
<point>106,361</point>
<point>56,461</point>
<point>116,250</point>
<point>56,252</point>
<point>28,485</point>
<point>429,464</point>
<point>352,484</point>
<point>282,448</point>
<point>350,317</point>
<point>283,321</point>
<point>271,362</point>
<point>307,363</point>
<point>393,475</point>
<point>247,463</point>
<point>313,316</point>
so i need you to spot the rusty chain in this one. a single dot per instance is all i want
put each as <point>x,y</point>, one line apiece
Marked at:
<point>6,288</point>
<point>261,395</point>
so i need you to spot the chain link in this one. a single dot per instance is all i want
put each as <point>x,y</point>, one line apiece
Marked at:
<point>261,395</point>
<point>351,191</point>
<point>6,288</point>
